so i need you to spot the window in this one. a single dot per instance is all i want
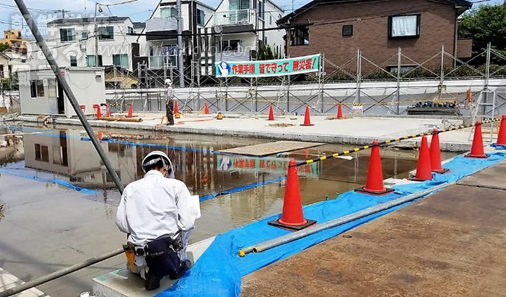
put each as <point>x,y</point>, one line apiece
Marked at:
<point>404,26</point>
<point>73,61</point>
<point>84,35</point>
<point>270,20</point>
<point>67,35</point>
<point>348,30</point>
<point>90,61</point>
<point>230,45</point>
<point>201,17</point>
<point>41,153</point>
<point>37,88</point>
<point>168,12</point>
<point>106,33</point>
<point>120,60</point>
<point>299,36</point>
<point>261,9</point>
<point>130,30</point>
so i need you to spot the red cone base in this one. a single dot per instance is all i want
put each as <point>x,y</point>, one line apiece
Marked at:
<point>423,170</point>
<point>307,118</point>
<point>374,184</point>
<point>271,114</point>
<point>477,150</point>
<point>292,217</point>
<point>501,138</point>
<point>435,154</point>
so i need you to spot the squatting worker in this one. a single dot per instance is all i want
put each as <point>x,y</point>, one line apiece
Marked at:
<point>157,212</point>
<point>169,103</point>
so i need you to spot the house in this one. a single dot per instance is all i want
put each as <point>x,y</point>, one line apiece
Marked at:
<point>13,38</point>
<point>11,62</point>
<point>73,43</point>
<point>378,28</point>
<point>232,31</point>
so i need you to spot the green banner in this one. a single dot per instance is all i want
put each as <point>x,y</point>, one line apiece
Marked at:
<point>290,66</point>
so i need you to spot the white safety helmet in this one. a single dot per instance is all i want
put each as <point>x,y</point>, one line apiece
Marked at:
<point>155,157</point>
<point>168,82</point>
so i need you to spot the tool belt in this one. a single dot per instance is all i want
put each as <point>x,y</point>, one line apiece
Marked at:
<point>159,246</point>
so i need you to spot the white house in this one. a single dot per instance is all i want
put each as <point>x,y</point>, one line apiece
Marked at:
<point>233,31</point>
<point>73,43</point>
<point>11,62</point>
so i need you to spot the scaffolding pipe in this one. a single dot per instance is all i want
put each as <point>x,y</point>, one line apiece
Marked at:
<point>261,247</point>
<point>59,273</point>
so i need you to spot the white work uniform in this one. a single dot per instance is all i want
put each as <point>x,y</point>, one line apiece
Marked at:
<point>155,206</point>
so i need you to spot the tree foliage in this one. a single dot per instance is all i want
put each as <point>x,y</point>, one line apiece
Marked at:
<point>484,24</point>
<point>266,53</point>
<point>3,47</point>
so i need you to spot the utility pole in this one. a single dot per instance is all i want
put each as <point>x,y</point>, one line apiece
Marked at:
<point>180,44</point>
<point>96,34</point>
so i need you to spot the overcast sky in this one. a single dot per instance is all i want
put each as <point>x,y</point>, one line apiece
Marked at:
<point>138,11</point>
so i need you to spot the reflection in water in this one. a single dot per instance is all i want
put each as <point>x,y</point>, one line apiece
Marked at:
<point>63,154</point>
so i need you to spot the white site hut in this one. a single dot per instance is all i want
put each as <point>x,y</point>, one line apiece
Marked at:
<point>40,93</point>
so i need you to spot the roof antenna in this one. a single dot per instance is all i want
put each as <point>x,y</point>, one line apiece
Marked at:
<point>85,9</point>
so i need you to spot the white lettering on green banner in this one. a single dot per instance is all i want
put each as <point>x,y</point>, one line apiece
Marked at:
<point>290,66</point>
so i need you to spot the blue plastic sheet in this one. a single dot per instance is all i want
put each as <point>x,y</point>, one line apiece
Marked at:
<point>219,270</point>
<point>60,182</point>
<point>498,147</point>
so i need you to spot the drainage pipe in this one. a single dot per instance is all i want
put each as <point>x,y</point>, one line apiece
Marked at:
<point>258,248</point>
<point>59,273</point>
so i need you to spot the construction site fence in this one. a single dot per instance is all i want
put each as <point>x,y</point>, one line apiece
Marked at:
<point>360,85</point>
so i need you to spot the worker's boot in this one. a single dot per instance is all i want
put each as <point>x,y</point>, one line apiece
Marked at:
<point>185,266</point>
<point>152,282</point>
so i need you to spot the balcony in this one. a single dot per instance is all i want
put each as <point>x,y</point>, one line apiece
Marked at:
<point>235,20</point>
<point>161,28</point>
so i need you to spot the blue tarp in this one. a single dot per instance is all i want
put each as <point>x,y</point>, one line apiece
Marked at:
<point>219,270</point>
<point>242,188</point>
<point>498,147</point>
<point>60,182</point>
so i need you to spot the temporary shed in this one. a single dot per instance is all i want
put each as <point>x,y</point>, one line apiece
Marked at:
<point>41,94</point>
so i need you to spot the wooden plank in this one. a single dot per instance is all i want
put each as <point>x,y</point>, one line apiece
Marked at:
<point>270,148</point>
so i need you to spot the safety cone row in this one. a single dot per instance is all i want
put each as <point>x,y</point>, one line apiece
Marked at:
<point>292,217</point>
<point>339,111</point>
<point>501,138</point>
<point>477,148</point>
<point>130,110</point>
<point>435,154</point>
<point>271,114</point>
<point>206,109</point>
<point>307,118</point>
<point>374,184</point>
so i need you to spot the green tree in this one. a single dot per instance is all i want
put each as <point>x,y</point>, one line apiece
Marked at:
<point>266,53</point>
<point>484,24</point>
<point>3,46</point>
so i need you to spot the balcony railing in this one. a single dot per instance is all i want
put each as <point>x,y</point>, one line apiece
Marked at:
<point>159,24</point>
<point>234,17</point>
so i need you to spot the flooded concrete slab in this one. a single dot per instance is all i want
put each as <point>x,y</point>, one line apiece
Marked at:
<point>47,226</point>
<point>448,244</point>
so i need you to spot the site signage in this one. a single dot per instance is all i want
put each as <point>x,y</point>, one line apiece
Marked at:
<point>280,165</point>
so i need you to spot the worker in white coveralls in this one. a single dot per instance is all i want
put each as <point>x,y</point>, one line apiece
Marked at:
<point>169,102</point>
<point>158,213</point>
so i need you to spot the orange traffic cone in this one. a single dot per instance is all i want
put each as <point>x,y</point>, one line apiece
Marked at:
<point>206,109</point>
<point>99,112</point>
<point>501,138</point>
<point>99,136</point>
<point>292,217</point>
<point>374,184</point>
<point>423,170</point>
<point>435,154</point>
<point>339,111</point>
<point>477,150</point>
<point>271,114</point>
<point>307,119</point>
<point>109,110</point>
<point>176,109</point>
<point>130,111</point>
